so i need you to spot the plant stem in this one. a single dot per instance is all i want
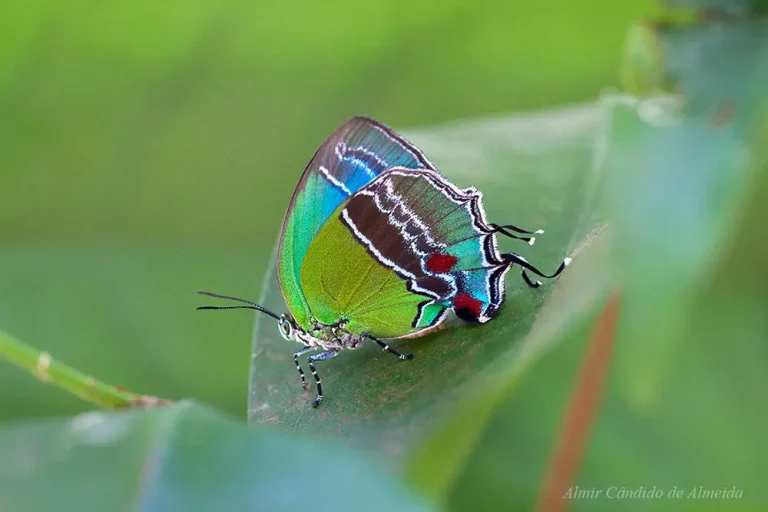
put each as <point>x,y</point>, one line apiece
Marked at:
<point>46,369</point>
<point>580,415</point>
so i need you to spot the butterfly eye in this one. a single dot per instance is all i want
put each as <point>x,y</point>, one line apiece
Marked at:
<point>285,327</point>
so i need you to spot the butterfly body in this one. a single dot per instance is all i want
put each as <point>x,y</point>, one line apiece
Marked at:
<point>377,244</point>
<point>327,337</point>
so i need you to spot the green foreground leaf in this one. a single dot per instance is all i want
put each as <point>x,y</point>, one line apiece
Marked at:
<point>184,458</point>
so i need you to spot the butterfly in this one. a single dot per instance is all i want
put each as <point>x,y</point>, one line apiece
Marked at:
<point>377,245</point>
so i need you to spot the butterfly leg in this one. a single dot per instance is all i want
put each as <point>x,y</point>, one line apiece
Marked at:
<point>512,258</point>
<point>387,348</point>
<point>298,366</point>
<point>310,360</point>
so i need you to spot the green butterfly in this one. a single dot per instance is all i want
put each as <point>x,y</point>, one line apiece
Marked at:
<point>377,244</point>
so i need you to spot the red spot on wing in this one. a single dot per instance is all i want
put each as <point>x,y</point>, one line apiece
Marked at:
<point>441,263</point>
<point>467,307</point>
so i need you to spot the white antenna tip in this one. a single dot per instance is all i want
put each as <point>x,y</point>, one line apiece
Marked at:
<point>532,240</point>
<point>567,261</point>
<point>538,283</point>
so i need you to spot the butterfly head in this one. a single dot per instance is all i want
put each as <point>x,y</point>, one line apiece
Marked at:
<point>327,337</point>
<point>287,327</point>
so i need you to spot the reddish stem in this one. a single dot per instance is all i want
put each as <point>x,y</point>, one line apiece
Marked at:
<point>581,411</point>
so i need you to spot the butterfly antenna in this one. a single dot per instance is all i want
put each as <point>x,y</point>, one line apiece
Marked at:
<point>250,305</point>
<point>511,258</point>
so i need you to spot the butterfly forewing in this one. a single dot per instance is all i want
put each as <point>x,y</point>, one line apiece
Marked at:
<point>354,155</point>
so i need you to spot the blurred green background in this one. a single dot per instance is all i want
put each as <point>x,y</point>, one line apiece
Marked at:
<point>149,150</point>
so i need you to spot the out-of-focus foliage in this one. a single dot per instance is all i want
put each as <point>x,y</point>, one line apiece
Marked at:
<point>679,171</point>
<point>150,149</point>
<point>183,458</point>
<point>687,184</point>
<point>728,7</point>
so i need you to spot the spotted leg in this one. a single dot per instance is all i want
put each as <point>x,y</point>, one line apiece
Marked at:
<point>387,348</point>
<point>310,360</point>
<point>298,366</point>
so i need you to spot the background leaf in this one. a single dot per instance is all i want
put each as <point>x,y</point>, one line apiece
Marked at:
<point>143,145</point>
<point>679,181</point>
<point>679,421</point>
<point>733,7</point>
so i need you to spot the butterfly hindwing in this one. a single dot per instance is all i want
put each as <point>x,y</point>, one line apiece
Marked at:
<point>354,155</point>
<point>343,282</point>
<point>435,236</point>
<point>399,252</point>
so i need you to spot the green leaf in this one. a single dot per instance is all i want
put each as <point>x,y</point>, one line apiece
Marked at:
<point>688,194</point>
<point>183,458</point>
<point>536,172</point>
<point>678,180</point>
<point>641,69</point>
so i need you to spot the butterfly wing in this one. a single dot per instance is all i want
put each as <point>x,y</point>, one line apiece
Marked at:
<point>402,250</point>
<point>343,281</point>
<point>356,153</point>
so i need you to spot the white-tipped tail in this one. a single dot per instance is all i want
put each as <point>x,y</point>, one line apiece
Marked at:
<point>539,232</point>
<point>567,261</point>
<point>532,240</point>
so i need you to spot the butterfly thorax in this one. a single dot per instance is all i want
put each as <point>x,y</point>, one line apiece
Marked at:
<point>328,337</point>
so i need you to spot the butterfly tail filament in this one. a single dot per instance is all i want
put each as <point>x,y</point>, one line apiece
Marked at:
<point>511,258</point>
